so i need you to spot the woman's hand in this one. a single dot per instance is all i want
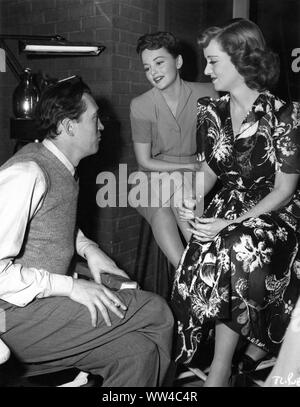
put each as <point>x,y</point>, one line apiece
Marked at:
<point>98,262</point>
<point>206,229</point>
<point>185,213</point>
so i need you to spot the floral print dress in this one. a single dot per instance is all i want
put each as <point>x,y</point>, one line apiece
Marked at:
<point>248,277</point>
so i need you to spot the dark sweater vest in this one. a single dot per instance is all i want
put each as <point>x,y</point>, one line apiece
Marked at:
<point>50,235</point>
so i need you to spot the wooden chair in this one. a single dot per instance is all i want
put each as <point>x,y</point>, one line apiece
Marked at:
<point>200,366</point>
<point>258,377</point>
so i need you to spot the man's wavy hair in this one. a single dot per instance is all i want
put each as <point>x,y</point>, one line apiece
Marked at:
<point>160,39</point>
<point>59,101</point>
<point>243,41</point>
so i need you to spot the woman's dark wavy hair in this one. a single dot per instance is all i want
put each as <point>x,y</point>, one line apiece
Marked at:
<point>158,40</point>
<point>59,101</point>
<point>243,41</point>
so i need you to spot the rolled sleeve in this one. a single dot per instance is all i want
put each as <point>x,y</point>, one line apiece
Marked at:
<point>59,286</point>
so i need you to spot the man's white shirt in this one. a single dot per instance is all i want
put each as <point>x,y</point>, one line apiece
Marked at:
<point>23,190</point>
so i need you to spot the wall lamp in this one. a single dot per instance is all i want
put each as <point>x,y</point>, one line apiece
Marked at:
<point>25,95</point>
<point>46,45</point>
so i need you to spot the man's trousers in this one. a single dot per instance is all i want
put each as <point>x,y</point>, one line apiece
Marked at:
<point>56,333</point>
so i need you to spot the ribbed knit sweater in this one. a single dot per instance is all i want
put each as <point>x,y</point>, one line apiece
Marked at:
<point>50,235</point>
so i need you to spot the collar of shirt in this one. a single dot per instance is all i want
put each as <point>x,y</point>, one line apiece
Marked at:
<point>52,147</point>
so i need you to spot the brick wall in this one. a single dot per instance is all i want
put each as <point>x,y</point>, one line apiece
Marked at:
<point>117,228</point>
<point>69,18</point>
<point>187,19</point>
<point>185,23</point>
<point>284,41</point>
<point>132,19</point>
<point>115,77</point>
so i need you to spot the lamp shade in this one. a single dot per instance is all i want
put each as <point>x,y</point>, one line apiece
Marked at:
<point>60,47</point>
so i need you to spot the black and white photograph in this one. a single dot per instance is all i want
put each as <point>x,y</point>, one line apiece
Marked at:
<point>149,198</point>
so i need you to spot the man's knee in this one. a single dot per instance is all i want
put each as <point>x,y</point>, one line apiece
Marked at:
<point>158,309</point>
<point>140,366</point>
<point>149,311</point>
<point>144,348</point>
<point>162,311</point>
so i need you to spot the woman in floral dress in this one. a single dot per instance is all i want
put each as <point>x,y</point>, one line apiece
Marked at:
<point>239,269</point>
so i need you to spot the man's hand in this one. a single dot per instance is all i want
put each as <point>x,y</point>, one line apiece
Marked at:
<point>97,297</point>
<point>98,262</point>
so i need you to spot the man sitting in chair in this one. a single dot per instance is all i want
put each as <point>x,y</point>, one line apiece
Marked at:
<point>53,321</point>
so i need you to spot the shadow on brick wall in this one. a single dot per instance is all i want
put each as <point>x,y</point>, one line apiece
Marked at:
<point>190,68</point>
<point>110,147</point>
<point>106,159</point>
